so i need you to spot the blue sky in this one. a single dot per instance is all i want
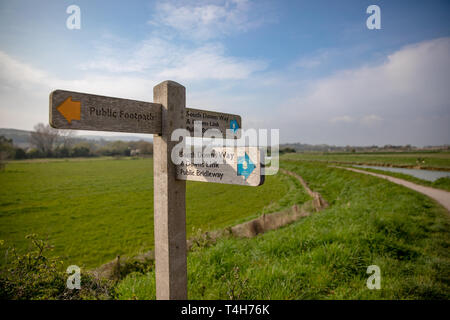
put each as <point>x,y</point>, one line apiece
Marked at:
<point>309,68</point>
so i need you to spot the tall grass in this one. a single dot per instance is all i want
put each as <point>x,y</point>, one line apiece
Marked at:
<point>423,159</point>
<point>325,256</point>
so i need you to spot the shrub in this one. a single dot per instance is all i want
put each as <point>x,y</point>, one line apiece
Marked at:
<point>287,150</point>
<point>34,153</point>
<point>20,154</point>
<point>81,151</point>
<point>35,276</point>
<point>6,151</point>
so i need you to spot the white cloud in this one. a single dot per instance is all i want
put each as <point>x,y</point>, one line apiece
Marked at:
<point>206,20</point>
<point>25,91</point>
<point>9,78</point>
<point>312,61</point>
<point>164,55</point>
<point>371,120</point>
<point>367,120</point>
<point>147,55</point>
<point>403,100</point>
<point>165,60</point>
<point>344,119</point>
<point>209,62</point>
<point>330,58</point>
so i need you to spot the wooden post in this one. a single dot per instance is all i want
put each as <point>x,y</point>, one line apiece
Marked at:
<point>169,197</point>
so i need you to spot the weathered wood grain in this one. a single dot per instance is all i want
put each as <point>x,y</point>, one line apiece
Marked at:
<point>100,113</point>
<point>169,198</point>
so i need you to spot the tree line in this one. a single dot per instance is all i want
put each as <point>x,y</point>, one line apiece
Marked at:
<point>47,142</point>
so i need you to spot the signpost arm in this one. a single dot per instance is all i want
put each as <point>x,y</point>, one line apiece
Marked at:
<point>169,197</point>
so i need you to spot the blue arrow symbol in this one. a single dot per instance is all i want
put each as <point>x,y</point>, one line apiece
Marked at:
<point>234,126</point>
<point>245,166</point>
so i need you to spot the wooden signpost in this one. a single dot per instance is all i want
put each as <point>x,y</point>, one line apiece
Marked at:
<point>82,111</point>
<point>168,112</point>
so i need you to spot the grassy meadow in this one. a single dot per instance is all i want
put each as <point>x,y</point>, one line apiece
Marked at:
<point>426,160</point>
<point>422,159</point>
<point>92,210</point>
<point>370,221</point>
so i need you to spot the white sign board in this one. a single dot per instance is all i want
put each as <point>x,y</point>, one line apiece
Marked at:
<point>229,165</point>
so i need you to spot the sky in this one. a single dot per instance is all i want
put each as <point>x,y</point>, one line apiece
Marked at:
<point>311,69</point>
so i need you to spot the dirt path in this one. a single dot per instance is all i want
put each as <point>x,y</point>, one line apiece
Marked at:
<point>441,196</point>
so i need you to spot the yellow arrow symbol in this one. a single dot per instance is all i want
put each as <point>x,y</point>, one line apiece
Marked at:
<point>70,109</point>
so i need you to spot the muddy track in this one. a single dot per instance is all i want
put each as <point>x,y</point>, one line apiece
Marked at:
<point>441,196</point>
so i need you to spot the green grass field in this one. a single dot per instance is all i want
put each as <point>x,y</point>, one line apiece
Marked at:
<point>370,221</point>
<point>428,160</point>
<point>95,209</point>
<point>92,210</point>
<point>424,159</point>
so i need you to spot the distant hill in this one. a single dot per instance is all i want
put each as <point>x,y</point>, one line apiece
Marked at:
<point>21,138</point>
<point>115,138</point>
<point>303,147</point>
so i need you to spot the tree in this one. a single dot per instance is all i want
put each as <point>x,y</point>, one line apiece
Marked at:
<point>142,147</point>
<point>287,150</point>
<point>66,138</point>
<point>82,149</point>
<point>44,138</point>
<point>34,153</point>
<point>20,154</point>
<point>116,148</point>
<point>62,152</point>
<point>6,151</point>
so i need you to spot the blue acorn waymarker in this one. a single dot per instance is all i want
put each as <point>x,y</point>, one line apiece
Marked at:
<point>234,126</point>
<point>245,166</point>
